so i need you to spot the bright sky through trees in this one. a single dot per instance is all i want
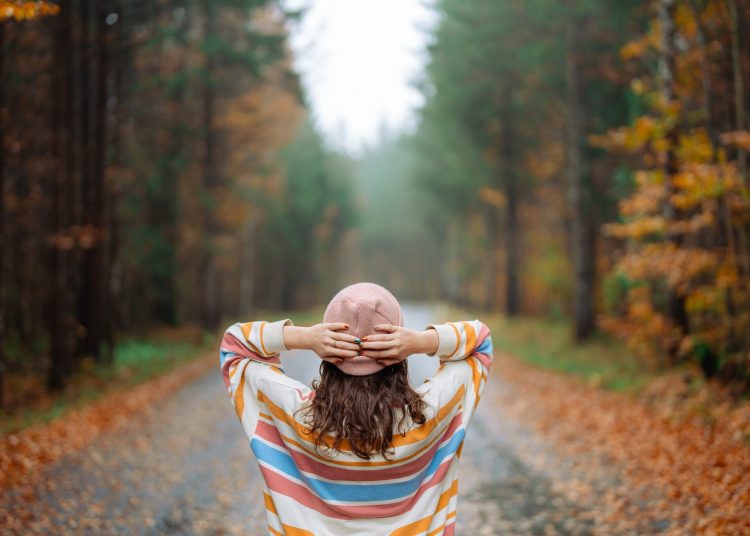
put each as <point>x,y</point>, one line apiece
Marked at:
<point>358,59</point>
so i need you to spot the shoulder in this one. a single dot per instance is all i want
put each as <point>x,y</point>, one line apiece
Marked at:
<point>451,377</point>
<point>272,385</point>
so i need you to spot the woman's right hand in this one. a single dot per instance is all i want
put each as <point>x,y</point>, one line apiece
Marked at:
<point>326,340</point>
<point>393,344</point>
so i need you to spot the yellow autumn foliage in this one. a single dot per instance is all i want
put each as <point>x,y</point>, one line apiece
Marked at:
<point>684,229</point>
<point>26,10</point>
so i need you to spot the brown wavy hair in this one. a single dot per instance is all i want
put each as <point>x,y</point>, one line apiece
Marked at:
<point>364,410</point>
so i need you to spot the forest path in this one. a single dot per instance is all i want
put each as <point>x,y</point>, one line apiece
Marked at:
<point>184,467</point>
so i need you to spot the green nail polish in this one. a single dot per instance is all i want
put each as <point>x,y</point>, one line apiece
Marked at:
<point>357,340</point>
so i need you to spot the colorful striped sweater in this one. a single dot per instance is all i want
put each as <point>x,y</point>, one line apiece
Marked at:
<point>412,493</point>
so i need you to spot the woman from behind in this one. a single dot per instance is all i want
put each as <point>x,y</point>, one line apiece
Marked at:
<point>361,452</point>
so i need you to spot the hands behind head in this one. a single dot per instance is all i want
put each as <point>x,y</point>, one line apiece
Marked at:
<point>389,345</point>
<point>393,344</point>
<point>328,341</point>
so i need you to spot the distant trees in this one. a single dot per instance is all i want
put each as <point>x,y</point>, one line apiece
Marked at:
<point>644,225</point>
<point>469,139</point>
<point>151,154</point>
<point>520,87</point>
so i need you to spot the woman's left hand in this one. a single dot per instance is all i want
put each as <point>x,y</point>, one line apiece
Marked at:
<point>393,344</point>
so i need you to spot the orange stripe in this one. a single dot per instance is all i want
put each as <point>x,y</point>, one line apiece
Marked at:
<point>458,339</point>
<point>274,531</point>
<point>471,339</point>
<point>247,327</point>
<point>265,353</point>
<point>475,377</point>
<point>423,524</point>
<point>331,461</point>
<point>413,436</point>
<point>239,398</point>
<point>294,531</point>
<point>483,380</point>
<point>269,503</point>
<point>438,530</point>
<point>246,331</point>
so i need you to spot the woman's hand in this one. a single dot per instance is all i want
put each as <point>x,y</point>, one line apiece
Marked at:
<point>395,343</point>
<point>326,340</point>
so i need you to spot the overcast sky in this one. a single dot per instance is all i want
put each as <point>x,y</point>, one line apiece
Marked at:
<point>357,59</point>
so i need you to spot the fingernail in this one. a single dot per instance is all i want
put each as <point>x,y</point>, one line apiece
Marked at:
<point>357,340</point>
<point>364,338</point>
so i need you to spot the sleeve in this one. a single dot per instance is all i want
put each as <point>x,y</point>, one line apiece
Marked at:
<point>249,354</point>
<point>465,352</point>
<point>259,341</point>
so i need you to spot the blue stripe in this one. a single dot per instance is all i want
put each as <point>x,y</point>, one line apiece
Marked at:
<point>485,347</point>
<point>223,354</point>
<point>333,491</point>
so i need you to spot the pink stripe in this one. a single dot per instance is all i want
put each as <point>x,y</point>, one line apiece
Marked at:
<point>232,344</point>
<point>310,465</point>
<point>281,484</point>
<point>484,359</point>
<point>449,529</point>
<point>483,332</point>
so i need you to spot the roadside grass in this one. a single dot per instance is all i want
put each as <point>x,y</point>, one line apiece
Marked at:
<point>548,343</point>
<point>138,357</point>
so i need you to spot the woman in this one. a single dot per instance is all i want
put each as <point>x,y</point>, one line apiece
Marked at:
<point>360,453</point>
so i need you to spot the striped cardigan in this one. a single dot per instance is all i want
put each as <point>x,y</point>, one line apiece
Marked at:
<point>308,493</point>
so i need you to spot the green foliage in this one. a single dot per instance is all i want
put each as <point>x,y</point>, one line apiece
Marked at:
<point>306,224</point>
<point>547,344</point>
<point>139,359</point>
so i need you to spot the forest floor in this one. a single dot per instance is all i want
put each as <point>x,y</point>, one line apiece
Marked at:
<point>546,454</point>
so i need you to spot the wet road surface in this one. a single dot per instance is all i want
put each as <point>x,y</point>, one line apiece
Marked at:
<point>184,467</point>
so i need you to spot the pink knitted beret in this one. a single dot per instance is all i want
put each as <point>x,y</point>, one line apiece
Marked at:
<point>363,306</point>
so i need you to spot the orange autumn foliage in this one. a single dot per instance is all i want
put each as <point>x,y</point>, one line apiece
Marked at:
<point>673,460</point>
<point>684,227</point>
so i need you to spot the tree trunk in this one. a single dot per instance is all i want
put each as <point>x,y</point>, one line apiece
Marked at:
<point>120,50</point>
<point>58,300</point>
<point>492,301</point>
<point>581,235</point>
<point>161,206</point>
<point>99,302</point>
<point>675,300</point>
<point>208,274</point>
<point>512,228</point>
<point>705,77</point>
<point>2,216</point>
<point>89,313</point>
<point>739,84</point>
<point>247,266</point>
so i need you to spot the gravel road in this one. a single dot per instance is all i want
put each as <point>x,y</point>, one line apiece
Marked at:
<point>184,467</point>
